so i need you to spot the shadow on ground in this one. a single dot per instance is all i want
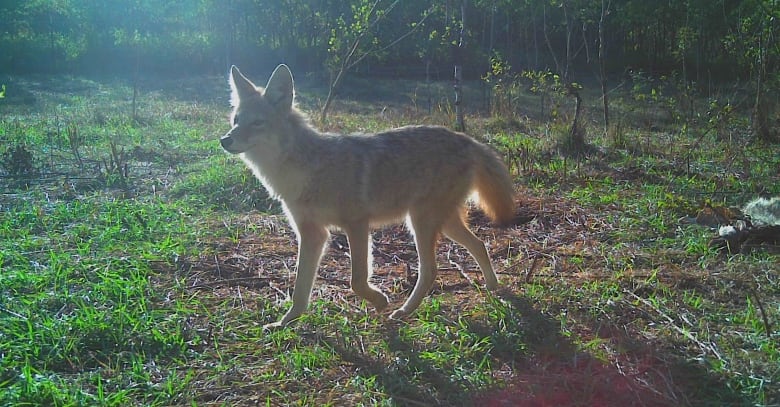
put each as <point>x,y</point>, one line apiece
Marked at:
<point>542,367</point>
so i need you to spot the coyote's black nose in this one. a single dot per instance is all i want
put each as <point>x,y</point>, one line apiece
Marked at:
<point>226,142</point>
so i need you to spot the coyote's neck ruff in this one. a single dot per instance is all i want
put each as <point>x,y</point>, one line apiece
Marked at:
<point>353,182</point>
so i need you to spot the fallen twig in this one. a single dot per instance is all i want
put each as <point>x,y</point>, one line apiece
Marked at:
<point>763,313</point>
<point>686,333</point>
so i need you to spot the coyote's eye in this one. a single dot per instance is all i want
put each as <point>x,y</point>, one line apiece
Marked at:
<point>258,123</point>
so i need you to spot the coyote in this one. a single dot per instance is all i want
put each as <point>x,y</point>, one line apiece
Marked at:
<point>355,182</point>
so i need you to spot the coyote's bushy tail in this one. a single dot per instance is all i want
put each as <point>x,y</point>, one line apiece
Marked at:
<point>494,186</point>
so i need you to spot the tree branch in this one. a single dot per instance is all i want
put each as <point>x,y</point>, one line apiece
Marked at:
<point>391,44</point>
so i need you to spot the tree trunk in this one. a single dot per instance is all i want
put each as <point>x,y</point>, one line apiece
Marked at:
<point>136,79</point>
<point>761,127</point>
<point>576,133</point>
<point>331,95</point>
<point>760,115</point>
<point>568,56</point>
<point>602,64</point>
<point>460,124</point>
<point>428,85</point>
<point>536,44</point>
<point>337,81</point>
<point>548,42</point>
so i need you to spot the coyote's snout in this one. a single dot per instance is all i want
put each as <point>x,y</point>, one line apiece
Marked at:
<point>353,182</point>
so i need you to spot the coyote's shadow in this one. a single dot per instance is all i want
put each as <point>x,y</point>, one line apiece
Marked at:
<point>544,366</point>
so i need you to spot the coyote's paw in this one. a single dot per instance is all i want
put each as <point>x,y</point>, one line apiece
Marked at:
<point>380,303</point>
<point>286,320</point>
<point>273,326</point>
<point>398,314</point>
<point>492,286</point>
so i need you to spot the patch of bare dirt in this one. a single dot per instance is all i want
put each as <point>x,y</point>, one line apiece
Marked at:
<point>548,234</point>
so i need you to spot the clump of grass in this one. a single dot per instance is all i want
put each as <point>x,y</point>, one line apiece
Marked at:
<point>18,162</point>
<point>75,141</point>
<point>519,150</point>
<point>224,183</point>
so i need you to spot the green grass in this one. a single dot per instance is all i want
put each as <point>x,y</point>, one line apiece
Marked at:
<point>143,274</point>
<point>81,318</point>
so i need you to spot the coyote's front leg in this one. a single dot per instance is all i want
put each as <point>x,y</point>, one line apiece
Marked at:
<point>425,236</point>
<point>360,252</point>
<point>311,242</point>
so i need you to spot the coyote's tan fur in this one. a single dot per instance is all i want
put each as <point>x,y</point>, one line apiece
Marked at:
<point>354,182</point>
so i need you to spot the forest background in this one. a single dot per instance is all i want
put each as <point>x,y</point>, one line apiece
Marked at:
<point>702,44</point>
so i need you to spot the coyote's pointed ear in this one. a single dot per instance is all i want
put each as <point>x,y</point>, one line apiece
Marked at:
<point>240,86</point>
<point>280,91</point>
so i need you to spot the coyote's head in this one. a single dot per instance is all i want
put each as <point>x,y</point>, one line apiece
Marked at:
<point>257,112</point>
